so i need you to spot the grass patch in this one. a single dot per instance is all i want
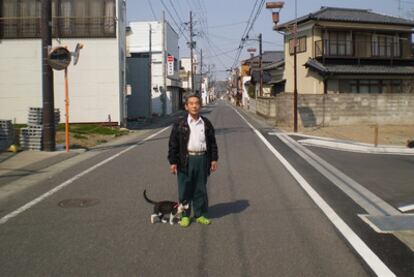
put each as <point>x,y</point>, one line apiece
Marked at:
<point>87,129</point>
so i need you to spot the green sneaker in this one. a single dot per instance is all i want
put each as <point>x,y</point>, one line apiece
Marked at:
<point>185,221</point>
<point>203,220</point>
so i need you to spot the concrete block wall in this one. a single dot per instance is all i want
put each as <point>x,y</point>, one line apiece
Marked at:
<point>340,109</point>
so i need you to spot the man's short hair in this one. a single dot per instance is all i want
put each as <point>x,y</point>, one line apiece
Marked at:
<point>192,95</point>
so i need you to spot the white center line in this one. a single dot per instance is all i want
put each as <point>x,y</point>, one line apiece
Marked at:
<point>71,180</point>
<point>373,261</point>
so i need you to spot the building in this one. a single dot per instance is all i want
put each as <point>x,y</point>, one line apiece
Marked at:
<point>155,84</point>
<point>185,74</point>
<point>250,75</point>
<point>273,82</point>
<point>343,50</point>
<point>96,84</point>
<point>206,92</point>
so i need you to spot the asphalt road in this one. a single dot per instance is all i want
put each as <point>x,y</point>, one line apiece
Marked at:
<point>264,224</point>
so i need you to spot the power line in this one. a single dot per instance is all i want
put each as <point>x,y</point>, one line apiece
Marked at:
<point>227,25</point>
<point>175,10</point>
<point>242,40</point>
<point>222,53</point>
<point>152,9</point>
<point>225,38</point>
<point>173,19</point>
<point>252,19</point>
<point>180,8</point>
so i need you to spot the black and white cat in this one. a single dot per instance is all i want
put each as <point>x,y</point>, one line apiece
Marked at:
<point>163,208</point>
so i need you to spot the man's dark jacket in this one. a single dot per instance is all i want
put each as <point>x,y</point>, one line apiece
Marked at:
<point>177,146</point>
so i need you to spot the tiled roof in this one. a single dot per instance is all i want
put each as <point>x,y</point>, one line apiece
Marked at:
<point>274,65</point>
<point>359,69</point>
<point>349,15</point>
<point>268,57</point>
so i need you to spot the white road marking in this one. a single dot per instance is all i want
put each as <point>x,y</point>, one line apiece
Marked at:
<point>406,208</point>
<point>71,180</point>
<point>373,204</point>
<point>373,261</point>
<point>349,146</point>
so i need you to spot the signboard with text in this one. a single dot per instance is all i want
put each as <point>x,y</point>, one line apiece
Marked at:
<point>170,65</point>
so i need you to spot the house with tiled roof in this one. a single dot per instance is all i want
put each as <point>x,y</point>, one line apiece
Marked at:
<point>342,50</point>
<point>272,66</point>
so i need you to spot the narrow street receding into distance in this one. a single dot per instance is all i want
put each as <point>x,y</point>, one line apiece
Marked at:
<point>263,222</point>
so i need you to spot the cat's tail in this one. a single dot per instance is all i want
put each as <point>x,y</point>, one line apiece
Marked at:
<point>147,199</point>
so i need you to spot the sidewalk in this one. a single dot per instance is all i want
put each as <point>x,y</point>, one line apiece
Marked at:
<point>29,167</point>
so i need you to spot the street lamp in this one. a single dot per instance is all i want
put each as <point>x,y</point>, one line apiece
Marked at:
<point>294,31</point>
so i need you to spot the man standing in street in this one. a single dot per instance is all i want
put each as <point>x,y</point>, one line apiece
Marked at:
<point>193,155</point>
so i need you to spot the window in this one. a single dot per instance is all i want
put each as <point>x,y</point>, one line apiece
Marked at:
<point>371,86</point>
<point>71,18</point>
<point>20,18</point>
<point>339,43</point>
<point>385,45</point>
<point>301,45</point>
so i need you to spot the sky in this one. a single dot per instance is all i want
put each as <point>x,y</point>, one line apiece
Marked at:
<point>220,24</point>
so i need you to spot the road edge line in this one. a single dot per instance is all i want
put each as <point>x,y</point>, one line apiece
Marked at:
<point>373,261</point>
<point>45,195</point>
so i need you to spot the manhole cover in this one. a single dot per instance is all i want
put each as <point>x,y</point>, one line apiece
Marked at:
<point>78,203</point>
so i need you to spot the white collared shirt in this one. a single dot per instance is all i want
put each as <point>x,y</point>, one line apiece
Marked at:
<point>197,141</point>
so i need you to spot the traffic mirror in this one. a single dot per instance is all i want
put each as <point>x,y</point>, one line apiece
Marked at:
<point>59,58</point>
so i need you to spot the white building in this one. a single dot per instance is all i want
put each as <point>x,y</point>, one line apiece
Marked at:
<point>165,83</point>
<point>96,84</point>
<point>205,90</point>
<point>186,74</point>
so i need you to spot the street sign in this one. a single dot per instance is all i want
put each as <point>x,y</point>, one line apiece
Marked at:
<point>59,58</point>
<point>170,65</point>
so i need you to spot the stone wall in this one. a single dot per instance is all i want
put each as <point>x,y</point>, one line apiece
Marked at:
<point>339,109</point>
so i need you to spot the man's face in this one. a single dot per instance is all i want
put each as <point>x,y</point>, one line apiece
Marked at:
<point>193,106</point>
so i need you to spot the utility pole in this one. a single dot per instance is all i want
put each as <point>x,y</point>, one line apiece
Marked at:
<point>49,134</point>
<point>150,72</point>
<point>293,31</point>
<point>295,68</point>
<point>191,52</point>
<point>237,88</point>
<point>164,65</point>
<point>201,70</point>
<point>261,65</point>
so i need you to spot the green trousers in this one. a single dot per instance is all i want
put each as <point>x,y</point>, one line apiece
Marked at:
<point>192,186</point>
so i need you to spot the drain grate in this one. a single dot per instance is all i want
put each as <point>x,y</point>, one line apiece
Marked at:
<point>78,203</point>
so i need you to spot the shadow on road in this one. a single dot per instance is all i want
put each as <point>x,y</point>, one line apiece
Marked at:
<point>224,209</point>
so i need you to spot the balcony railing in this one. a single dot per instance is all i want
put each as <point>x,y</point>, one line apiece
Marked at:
<point>361,49</point>
<point>63,27</point>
